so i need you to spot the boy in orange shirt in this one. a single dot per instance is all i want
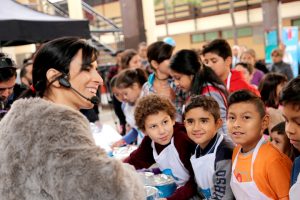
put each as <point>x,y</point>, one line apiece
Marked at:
<point>259,170</point>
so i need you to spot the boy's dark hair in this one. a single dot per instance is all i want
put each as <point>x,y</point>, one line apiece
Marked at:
<point>245,96</point>
<point>267,88</point>
<point>290,94</point>
<point>207,103</point>
<point>279,128</point>
<point>7,68</point>
<point>152,104</point>
<point>218,46</point>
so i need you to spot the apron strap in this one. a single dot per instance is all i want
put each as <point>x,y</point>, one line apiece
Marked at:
<point>261,141</point>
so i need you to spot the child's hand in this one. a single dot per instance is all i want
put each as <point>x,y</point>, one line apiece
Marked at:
<point>118,143</point>
<point>162,198</point>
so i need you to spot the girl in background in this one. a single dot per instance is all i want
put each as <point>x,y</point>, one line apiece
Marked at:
<point>247,71</point>
<point>194,78</point>
<point>270,88</point>
<point>160,82</point>
<point>129,83</point>
<point>249,57</point>
<point>280,140</point>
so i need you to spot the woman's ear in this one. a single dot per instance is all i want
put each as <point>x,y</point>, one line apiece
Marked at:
<point>52,75</point>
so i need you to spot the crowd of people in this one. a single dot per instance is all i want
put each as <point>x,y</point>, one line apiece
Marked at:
<point>221,123</point>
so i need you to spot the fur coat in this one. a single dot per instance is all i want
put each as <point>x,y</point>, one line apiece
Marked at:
<point>48,153</point>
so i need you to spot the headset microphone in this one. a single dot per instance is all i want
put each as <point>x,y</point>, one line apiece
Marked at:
<point>65,83</point>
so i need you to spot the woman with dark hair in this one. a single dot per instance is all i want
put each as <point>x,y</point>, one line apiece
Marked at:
<point>160,82</point>
<point>47,149</point>
<point>194,78</point>
<point>270,88</point>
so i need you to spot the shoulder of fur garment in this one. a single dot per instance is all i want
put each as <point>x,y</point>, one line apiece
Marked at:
<point>47,152</point>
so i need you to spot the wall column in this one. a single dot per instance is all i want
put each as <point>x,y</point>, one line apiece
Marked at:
<point>133,23</point>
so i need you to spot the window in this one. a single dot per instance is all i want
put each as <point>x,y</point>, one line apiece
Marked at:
<point>197,38</point>
<point>227,34</point>
<point>244,32</point>
<point>211,36</point>
<point>296,22</point>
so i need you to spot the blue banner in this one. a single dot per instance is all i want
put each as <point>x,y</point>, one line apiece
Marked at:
<point>271,44</point>
<point>290,39</point>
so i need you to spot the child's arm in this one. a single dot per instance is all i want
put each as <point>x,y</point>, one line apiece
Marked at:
<point>126,139</point>
<point>130,136</point>
<point>222,175</point>
<point>143,156</point>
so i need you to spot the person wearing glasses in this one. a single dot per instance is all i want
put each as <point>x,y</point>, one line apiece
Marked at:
<point>9,90</point>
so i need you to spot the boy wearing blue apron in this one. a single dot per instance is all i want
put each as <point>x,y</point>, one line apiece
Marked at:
<point>166,144</point>
<point>211,161</point>
<point>259,170</point>
<point>290,101</point>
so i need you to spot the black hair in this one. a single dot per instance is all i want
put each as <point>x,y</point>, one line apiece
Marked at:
<point>267,88</point>
<point>290,94</point>
<point>58,54</point>
<point>279,128</point>
<point>7,68</point>
<point>245,96</point>
<point>128,77</point>
<point>218,46</point>
<point>159,51</point>
<point>207,103</point>
<point>247,66</point>
<point>187,62</point>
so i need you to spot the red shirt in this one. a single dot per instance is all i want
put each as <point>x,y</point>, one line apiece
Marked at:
<point>237,82</point>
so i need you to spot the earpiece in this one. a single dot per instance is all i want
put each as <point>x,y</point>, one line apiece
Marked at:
<point>63,81</point>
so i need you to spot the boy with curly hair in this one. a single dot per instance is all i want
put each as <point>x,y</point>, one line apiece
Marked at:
<point>166,144</point>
